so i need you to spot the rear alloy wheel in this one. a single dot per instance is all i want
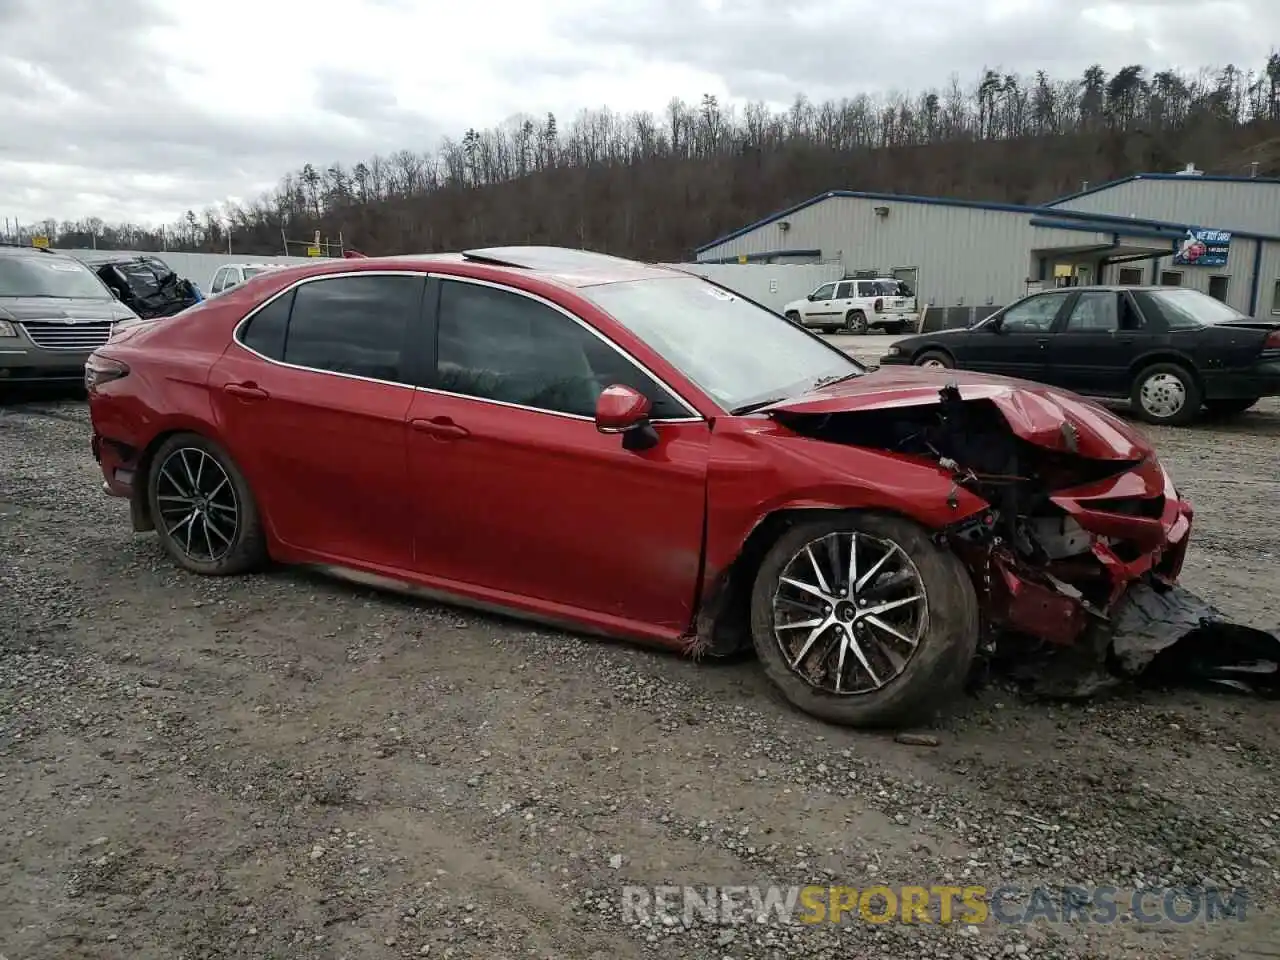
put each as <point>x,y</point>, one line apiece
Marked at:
<point>1229,408</point>
<point>862,620</point>
<point>935,359</point>
<point>855,321</point>
<point>203,509</point>
<point>1166,393</point>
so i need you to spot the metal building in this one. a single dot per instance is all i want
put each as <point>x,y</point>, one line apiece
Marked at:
<point>967,253</point>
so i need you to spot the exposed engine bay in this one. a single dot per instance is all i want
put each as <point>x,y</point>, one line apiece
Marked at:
<point>1076,562</point>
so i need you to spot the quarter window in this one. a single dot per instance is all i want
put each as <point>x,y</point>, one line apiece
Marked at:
<point>359,325</point>
<point>498,345</point>
<point>265,331</point>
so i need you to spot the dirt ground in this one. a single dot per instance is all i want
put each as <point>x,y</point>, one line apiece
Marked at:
<point>287,766</point>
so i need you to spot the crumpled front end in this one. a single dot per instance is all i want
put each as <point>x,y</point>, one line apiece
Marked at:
<point>1069,564</point>
<point>1084,539</point>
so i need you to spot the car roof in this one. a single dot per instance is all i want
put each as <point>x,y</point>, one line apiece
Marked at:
<point>563,266</point>
<point>1110,288</point>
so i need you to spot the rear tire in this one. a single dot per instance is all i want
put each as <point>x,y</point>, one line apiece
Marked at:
<point>937,359</point>
<point>943,621</point>
<point>202,507</point>
<point>1229,408</point>
<point>1165,393</point>
<point>855,321</point>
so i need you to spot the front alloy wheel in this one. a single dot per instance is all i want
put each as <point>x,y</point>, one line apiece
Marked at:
<point>861,619</point>
<point>848,612</point>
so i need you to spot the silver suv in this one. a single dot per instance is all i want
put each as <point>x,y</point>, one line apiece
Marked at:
<point>54,312</point>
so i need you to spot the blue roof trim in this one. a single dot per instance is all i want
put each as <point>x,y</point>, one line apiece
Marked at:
<point>862,195</point>
<point>1203,178</point>
<point>755,257</point>
<point>1166,233</point>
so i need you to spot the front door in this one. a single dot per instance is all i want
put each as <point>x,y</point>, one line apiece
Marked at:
<point>823,310</point>
<point>1014,343</point>
<point>312,402</point>
<point>520,500</point>
<point>1097,340</point>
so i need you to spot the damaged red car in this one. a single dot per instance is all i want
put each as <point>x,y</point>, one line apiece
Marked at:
<point>637,452</point>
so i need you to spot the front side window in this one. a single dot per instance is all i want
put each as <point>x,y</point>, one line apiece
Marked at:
<point>1035,315</point>
<point>49,277</point>
<point>359,325</point>
<point>824,292</point>
<point>500,345</point>
<point>736,351</point>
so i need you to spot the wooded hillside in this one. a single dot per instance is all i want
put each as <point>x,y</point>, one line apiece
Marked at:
<point>654,187</point>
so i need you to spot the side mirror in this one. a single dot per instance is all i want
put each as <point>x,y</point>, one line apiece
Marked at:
<point>620,409</point>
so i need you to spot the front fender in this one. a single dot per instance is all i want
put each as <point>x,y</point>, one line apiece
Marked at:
<point>758,468</point>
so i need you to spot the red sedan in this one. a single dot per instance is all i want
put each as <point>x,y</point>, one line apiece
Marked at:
<point>631,451</point>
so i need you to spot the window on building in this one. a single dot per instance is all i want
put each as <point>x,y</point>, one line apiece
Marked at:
<point>355,325</point>
<point>265,330</point>
<point>1130,276</point>
<point>500,345</point>
<point>1218,287</point>
<point>1170,278</point>
<point>1094,312</point>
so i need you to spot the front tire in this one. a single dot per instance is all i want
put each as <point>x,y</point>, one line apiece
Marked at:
<point>1229,408</point>
<point>204,512</point>
<point>793,317</point>
<point>1165,393</point>
<point>936,359</point>
<point>877,641</point>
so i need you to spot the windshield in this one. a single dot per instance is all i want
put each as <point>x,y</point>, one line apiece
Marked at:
<point>1186,309</point>
<point>46,276</point>
<point>738,352</point>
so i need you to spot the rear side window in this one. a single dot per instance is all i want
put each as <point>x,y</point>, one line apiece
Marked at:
<point>867,288</point>
<point>264,333</point>
<point>358,325</point>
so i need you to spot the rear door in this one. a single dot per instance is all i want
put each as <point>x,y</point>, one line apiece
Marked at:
<point>1097,339</point>
<point>312,399</point>
<point>1014,343</point>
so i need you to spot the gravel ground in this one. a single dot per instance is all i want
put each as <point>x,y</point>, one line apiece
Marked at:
<point>286,766</point>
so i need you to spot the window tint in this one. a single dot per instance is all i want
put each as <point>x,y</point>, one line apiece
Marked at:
<point>1035,315</point>
<point>824,292</point>
<point>498,345</point>
<point>868,288</point>
<point>356,325</point>
<point>1094,313</point>
<point>264,333</point>
<point>844,291</point>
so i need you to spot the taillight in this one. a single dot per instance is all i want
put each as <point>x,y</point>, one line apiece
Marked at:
<point>879,305</point>
<point>1273,341</point>
<point>99,370</point>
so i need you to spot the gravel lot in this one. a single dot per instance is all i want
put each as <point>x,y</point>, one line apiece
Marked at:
<point>286,766</point>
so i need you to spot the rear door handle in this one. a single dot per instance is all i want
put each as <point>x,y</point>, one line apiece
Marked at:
<point>245,391</point>
<point>441,427</point>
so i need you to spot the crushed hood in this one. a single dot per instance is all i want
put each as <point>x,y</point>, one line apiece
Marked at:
<point>1045,416</point>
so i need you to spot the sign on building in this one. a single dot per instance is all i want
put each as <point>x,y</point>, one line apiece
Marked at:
<point>1203,248</point>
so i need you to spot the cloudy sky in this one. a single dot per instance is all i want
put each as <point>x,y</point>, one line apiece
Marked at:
<point>140,109</point>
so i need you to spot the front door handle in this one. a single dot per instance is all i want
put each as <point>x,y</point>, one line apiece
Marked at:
<point>1043,341</point>
<point>441,427</point>
<point>245,391</point>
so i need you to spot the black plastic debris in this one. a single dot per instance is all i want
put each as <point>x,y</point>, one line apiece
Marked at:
<point>1167,635</point>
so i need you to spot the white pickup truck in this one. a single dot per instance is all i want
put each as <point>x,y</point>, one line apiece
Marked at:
<point>856,306</point>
